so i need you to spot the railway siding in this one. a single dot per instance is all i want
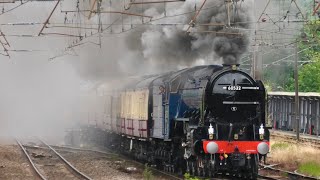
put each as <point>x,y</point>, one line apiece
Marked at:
<point>288,174</point>
<point>47,165</point>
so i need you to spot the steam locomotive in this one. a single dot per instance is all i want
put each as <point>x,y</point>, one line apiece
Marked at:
<point>204,120</point>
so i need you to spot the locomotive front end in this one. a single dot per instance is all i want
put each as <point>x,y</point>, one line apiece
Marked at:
<point>235,117</point>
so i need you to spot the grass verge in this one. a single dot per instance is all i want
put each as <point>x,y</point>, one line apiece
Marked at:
<point>310,168</point>
<point>279,145</point>
<point>291,156</point>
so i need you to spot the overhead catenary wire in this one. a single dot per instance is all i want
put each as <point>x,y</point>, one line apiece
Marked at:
<point>192,22</point>
<point>9,10</point>
<point>148,22</point>
<point>168,16</point>
<point>47,21</point>
<point>78,29</point>
<point>4,44</point>
<point>144,23</point>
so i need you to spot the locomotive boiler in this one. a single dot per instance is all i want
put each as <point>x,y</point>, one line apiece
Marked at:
<point>204,120</point>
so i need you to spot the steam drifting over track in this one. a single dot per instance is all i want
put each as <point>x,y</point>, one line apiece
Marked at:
<point>45,174</point>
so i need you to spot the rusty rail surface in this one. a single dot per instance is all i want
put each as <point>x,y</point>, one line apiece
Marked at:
<point>75,170</point>
<point>30,161</point>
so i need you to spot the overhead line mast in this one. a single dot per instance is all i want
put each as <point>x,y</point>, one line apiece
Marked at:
<point>47,21</point>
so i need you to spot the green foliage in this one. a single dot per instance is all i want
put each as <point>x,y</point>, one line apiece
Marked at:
<point>279,145</point>
<point>284,174</point>
<point>309,73</point>
<point>268,86</point>
<point>310,168</point>
<point>309,76</point>
<point>277,77</point>
<point>187,176</point>
<point>147,173</point>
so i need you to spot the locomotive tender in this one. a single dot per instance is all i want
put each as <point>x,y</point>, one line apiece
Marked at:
<point>202,120</point>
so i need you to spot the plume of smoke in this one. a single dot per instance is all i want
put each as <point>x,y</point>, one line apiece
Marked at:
<point>150,49</point>
<point>172,45</point>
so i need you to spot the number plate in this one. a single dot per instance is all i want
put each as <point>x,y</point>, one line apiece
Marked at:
<point>234,88</point>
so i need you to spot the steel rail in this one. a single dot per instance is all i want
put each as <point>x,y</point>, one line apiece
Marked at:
<point>121,156</point>
<point>172,176</point>
<point>84,149</point>
<point>30,161</point>
<point>228,176</point>
<point>266,177</point>
<point>153,169</point>
<point>167,174</point>
<point>67,162</point>
<point>290,173</point>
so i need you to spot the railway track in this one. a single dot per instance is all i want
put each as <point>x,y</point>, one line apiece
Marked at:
<point>288,174</point>
<point>108,152</point>
<point>282,174</point>
<point>263,177</point>
<point>50,168</point>
<point>169,175</point>
<point>68,149</point>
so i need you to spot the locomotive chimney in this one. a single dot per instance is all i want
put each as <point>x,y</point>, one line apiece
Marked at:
<point>231,66</point>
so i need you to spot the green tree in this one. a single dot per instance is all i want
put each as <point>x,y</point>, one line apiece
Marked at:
<point>309,76</point>
<point>309,72</point>
<point>279,76</point>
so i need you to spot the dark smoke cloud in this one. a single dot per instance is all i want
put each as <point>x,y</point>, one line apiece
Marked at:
<point>153,47</point>
<point>230,49</point>
<point>172,45</point>
<point>168,44</point>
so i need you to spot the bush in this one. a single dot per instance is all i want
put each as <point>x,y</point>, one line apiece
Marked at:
<point>187,176</point>
<point>147,173</point>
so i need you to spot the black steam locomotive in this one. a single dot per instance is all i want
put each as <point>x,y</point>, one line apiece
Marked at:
<point>202,120</point>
